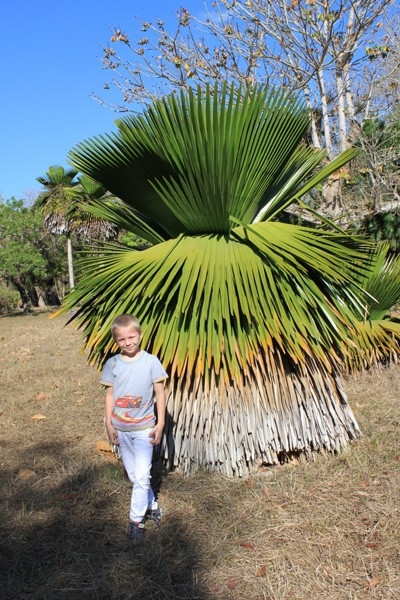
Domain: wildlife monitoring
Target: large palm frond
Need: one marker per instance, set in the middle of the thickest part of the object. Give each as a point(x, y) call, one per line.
point(191, 162)
point(250, 316)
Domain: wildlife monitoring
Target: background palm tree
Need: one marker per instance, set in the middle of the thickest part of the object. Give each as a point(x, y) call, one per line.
point(87, 225)
point(54, 205)
point(251, 316)
point(65, 206)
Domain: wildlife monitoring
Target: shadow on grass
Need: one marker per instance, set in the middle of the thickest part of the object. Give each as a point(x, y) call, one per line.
point(62, 537)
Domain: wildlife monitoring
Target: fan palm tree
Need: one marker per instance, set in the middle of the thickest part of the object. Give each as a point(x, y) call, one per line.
point(252, 317)
point(66, 208)
point(86, 225)
point(54, 204)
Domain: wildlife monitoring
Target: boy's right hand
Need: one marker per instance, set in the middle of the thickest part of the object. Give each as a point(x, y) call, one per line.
point(112, 435)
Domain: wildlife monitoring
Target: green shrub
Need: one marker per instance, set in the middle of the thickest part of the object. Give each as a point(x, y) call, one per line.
point(8, 299)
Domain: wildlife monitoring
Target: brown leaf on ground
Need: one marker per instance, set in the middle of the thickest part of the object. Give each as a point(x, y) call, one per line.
point(38, 417)
point(373, 582)
point(233, 582)
point(103, 446)
point(70, 497)
point(24, 473)
point(247, 545)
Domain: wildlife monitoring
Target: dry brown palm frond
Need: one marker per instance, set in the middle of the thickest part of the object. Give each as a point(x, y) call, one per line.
point(276, 411)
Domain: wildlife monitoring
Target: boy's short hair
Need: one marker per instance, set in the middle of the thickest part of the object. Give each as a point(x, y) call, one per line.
point(125, 321)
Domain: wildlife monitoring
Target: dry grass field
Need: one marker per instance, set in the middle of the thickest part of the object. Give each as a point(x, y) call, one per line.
point(325, 529)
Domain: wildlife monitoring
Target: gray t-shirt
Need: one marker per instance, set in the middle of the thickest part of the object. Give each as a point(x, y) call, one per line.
point(133, 378)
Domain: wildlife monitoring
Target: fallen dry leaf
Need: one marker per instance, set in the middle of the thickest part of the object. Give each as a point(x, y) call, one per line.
point(249, 483)
point(38, 417)
point(373, 582)
point(247, 545)
point(103, 446)
point(24, 473)
point(261, 572)
point(233, 582)
point(41, 396)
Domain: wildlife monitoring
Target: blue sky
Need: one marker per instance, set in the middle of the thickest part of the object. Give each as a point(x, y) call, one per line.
point(50, 66)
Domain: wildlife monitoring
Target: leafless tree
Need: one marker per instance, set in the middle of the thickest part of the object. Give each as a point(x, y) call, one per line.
point(328, 51)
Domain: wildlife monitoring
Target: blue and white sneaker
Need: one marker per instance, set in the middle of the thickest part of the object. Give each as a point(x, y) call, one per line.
point(154, 515)
point(136, 531)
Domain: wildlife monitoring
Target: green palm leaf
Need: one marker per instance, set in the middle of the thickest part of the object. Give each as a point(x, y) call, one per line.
point(180, 148)
point(382, 282)
point(128, 219)
point(377, 334)
point(262, 285)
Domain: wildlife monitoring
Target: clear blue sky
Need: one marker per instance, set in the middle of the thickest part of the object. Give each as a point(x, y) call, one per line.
point(50, 66)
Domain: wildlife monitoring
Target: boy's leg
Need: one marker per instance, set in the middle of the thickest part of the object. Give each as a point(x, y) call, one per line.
point(137, 453)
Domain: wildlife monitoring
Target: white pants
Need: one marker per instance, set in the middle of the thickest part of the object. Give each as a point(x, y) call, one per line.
point(137, 454)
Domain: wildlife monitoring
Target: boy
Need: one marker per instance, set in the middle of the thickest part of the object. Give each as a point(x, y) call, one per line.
point(133, 380)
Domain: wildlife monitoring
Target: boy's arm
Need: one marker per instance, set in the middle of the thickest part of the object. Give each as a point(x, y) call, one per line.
point(111, 431)
point(156, 432)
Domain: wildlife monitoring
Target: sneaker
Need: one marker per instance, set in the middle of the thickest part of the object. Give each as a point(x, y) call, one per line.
point(136, 531)
point(154, 515)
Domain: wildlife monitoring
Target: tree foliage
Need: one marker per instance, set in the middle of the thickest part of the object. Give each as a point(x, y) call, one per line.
point(30, 259)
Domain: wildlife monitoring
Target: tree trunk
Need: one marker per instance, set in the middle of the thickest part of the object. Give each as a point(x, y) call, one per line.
point(325, 115)
point(354, 127)
point(70, 264)
point(332, 193)
point(234, 429)
point(341, 104)
point(314, 129)
point(29, 296)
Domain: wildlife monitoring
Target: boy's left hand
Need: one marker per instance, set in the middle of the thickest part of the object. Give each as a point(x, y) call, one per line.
point(156, 434)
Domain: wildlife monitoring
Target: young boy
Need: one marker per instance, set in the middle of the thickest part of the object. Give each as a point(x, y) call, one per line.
point(135, 379)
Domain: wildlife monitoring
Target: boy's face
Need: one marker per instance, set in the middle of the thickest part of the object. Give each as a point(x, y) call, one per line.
point(128, 340)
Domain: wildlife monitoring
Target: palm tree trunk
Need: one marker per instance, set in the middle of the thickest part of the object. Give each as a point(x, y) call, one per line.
point(264, 420)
